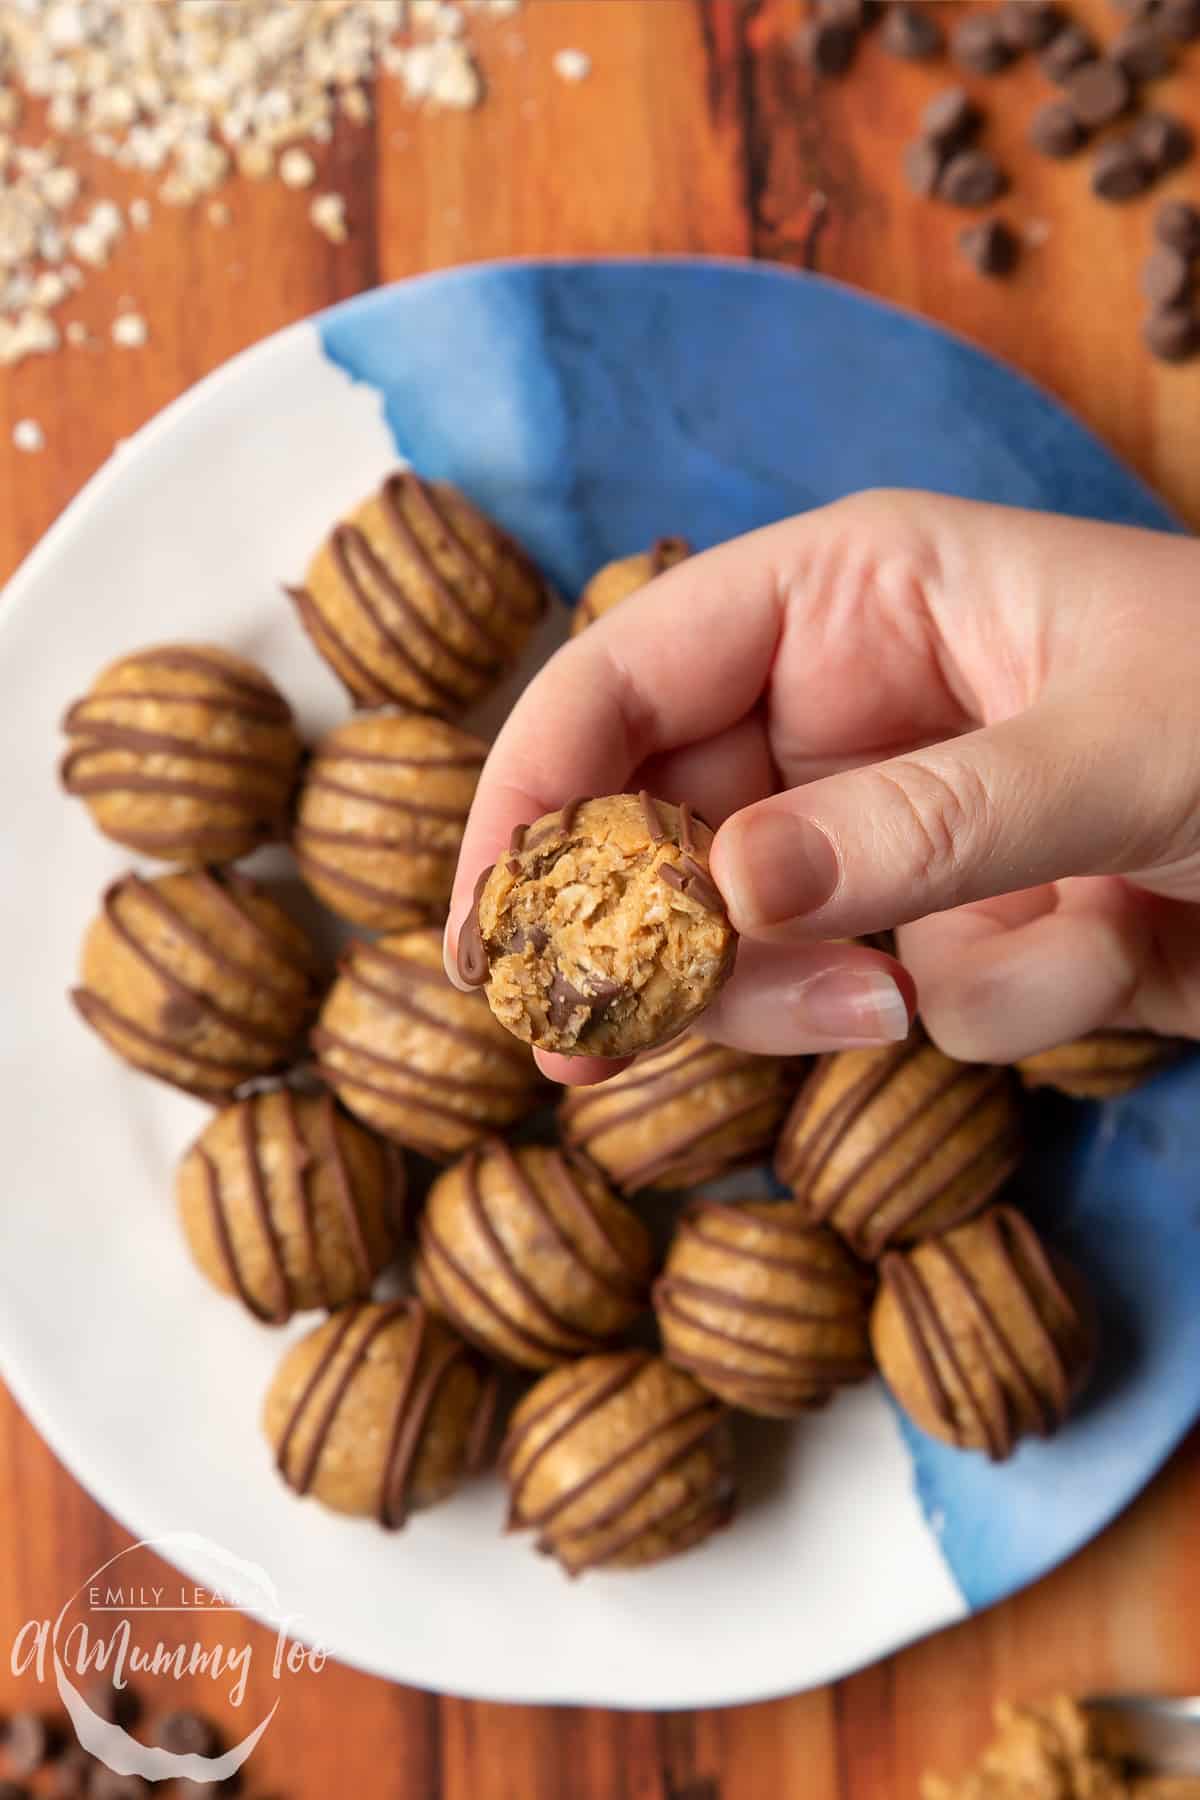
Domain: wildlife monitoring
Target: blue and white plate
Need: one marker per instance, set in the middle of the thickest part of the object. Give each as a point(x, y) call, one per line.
point(590, 408)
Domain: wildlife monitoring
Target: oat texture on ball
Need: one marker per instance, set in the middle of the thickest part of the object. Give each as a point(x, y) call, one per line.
point(616, 1462)
point(765, 1310)
point(685, 1113)
point(183, 752)
point(419, 599)
point(379, 1411)
point(983, 1336)
point(890, 1145)
point(380, 817)
point(199, 977)
point(600, 932)
point(617, 580)
point(530, 1254)
point(413, 1057)
point(288, 1204)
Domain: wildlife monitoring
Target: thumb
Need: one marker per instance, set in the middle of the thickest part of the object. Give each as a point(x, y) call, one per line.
point(1062, 789)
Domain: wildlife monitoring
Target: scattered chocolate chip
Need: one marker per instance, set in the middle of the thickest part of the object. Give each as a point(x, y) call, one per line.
point(1067, 50)
point(12, 1790)
point(854, 13)
point(1166, 276)
point(911, 34)
point(828, 46)
point(106, 1784)
point(923, 165)
point(950, 119)
point(1180, 20)
point(972, 178)
point(70, 1774)
point(1177, 224)
point(1098, 92)
point(1119, 171)
point(186, 1734)
point(565, 998)
point(1055, 131)
point(29, 1742)
point(1162, 141)
point(1172, 333)
point(979, 45)
point(117, 1705)
point(991, 245)
point(1143, 51)
point(1028, 24)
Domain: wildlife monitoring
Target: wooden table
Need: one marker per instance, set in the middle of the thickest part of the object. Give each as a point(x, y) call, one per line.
point(697, 130)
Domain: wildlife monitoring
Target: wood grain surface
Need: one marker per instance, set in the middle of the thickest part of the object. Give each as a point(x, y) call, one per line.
point(698, 130)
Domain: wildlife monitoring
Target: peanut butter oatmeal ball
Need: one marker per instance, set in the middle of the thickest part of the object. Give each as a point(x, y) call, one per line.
point(417, 598)
point(381, 814)
point(184, 752)
point(889, 1146)
point(685, 1113)
point(767, 1312)
point(617, 580)
point(1101, 1066)
point(601, 932)
point(530, 1255)
point(617, 1461)
point(287, 1203)
point(413, 1057)
point(982, 1336)
point(380, 1411)
point(200, 978)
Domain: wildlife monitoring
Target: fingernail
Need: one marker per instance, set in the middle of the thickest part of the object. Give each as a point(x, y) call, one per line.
point(852, 1006)
point(777, 867)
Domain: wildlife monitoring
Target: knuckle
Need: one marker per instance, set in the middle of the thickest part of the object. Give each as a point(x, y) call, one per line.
point(944, 816)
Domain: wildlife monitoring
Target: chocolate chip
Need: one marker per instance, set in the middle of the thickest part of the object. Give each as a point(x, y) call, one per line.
point(106, 1784)
point(1143, 51)
point(70, 1774)
point(910, 33)
point(29, 1742)
point(1067, 50)
point(923, 165)
point(950, 119)
point(12, 1790)
point(1119, 171)
point(828, 46)
point(855, 13)
point(979, 45)
point(1028, 24)
point(1180, 20)
point(1172, 333)
point(534, 936)
point(186, 1734)
point(1166, 276)
point(1055, 131)
point(119, 1706)
point(1162, 141)
point(972, 178)
point(991, 245)
point(1098, 92)
point(565, 998)
point(1177, 224)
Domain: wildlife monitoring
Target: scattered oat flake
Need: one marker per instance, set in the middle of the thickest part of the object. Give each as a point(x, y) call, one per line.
point(218, 213)
point(572, 65)
point(129, 330)
point(328, 214)
point(77, 333)
point(297, 168)
point(28, 435)
point(140, 214)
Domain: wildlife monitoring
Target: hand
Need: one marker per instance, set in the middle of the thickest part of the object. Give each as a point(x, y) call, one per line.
point(979, 724)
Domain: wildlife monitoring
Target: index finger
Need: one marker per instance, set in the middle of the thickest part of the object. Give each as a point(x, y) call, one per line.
point(675, 664)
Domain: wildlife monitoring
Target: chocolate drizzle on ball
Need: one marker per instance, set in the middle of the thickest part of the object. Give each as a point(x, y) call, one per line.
point(738, 1102)
point(413, 590)
point(194, 773)
point(986, 1382)
point(616, 581)
point(429, 1360)
point(691, 878)
point(509, 1303)
point(434, 1099)
point(472, 959)
point(766, 1311)
point(867, 1144)
point(146, 920)
point(609, 1513)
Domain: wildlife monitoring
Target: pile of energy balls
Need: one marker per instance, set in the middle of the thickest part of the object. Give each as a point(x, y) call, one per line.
point(601, 931)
